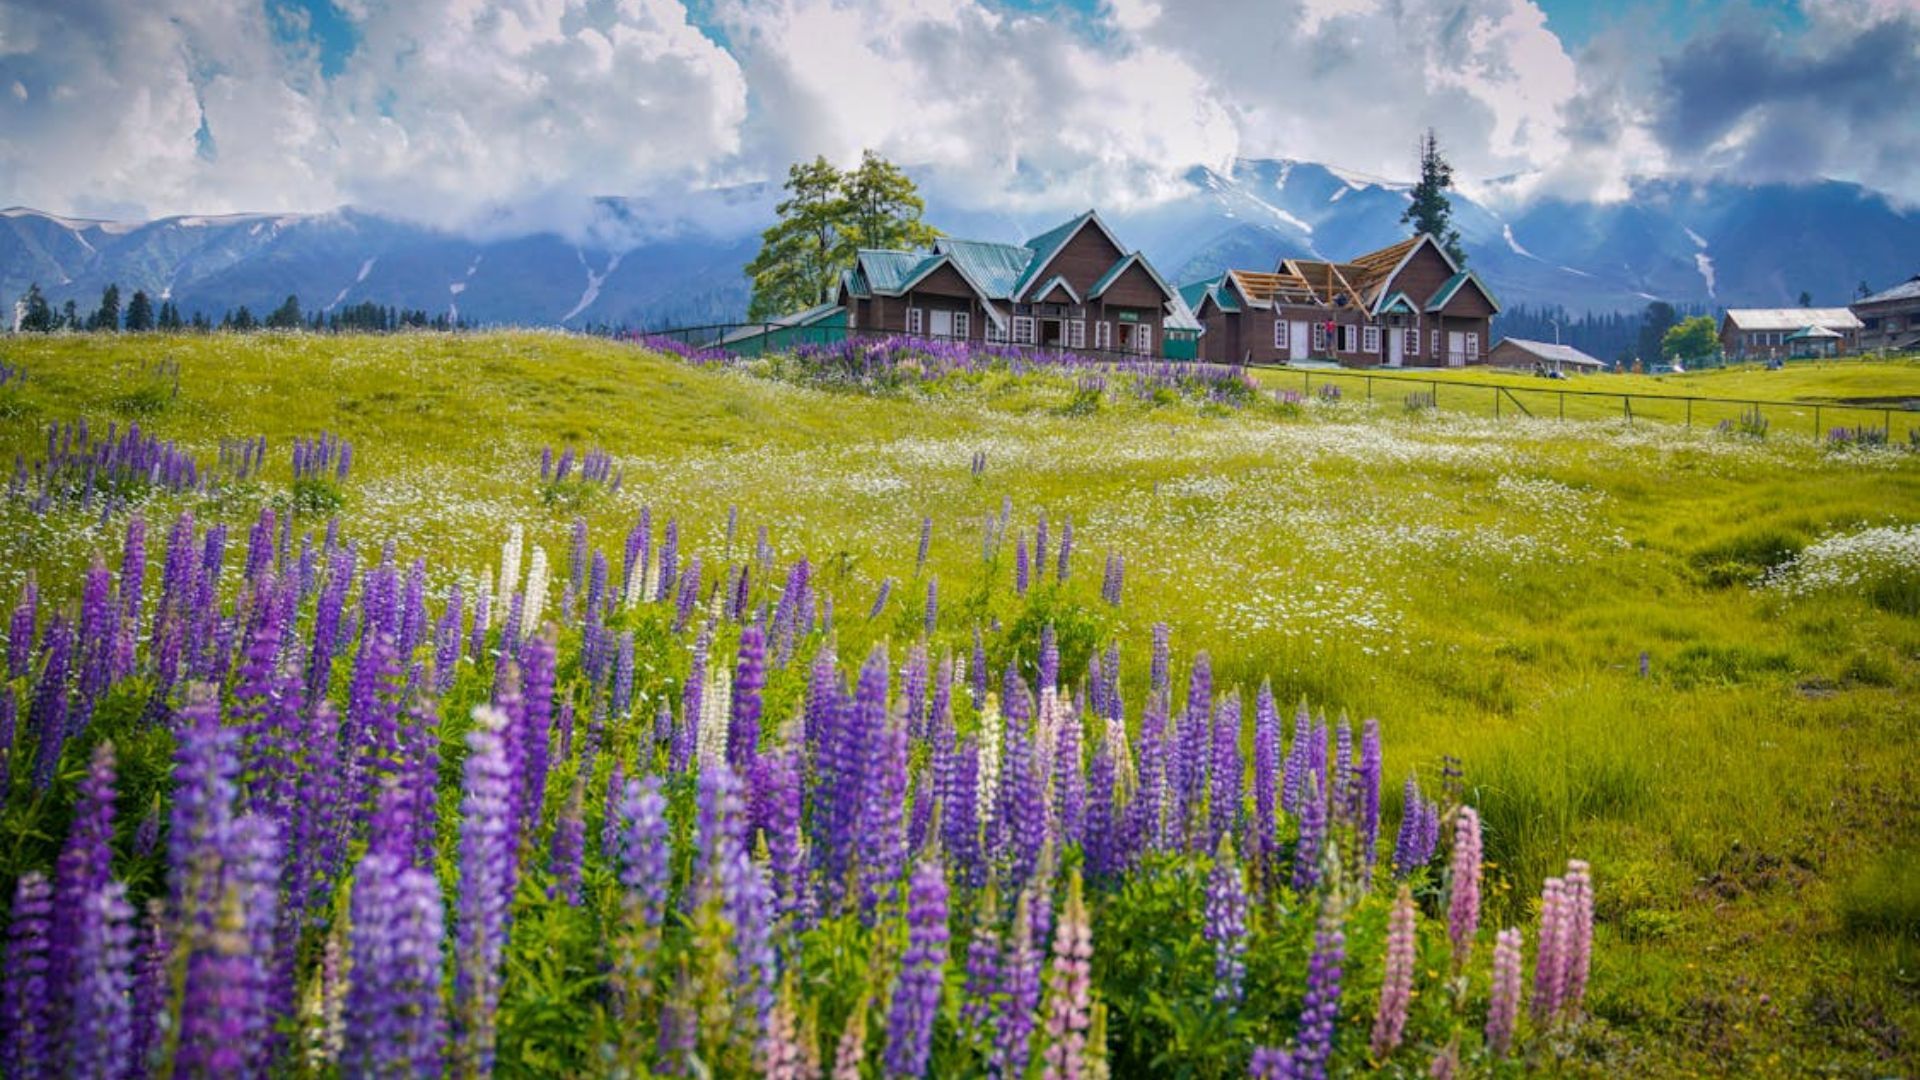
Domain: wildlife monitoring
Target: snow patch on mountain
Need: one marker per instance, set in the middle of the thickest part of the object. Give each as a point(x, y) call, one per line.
point(1704, 263)
point(1698, 240)
point(1514, 245)
point(366, 268)
point(594, 281)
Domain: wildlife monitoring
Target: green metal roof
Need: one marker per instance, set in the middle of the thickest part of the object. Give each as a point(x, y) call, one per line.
point(885, 270)
point(1452, 285)
point(1193, 292)
point(997, 267)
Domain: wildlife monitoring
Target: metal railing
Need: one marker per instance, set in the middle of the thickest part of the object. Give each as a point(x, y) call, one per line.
point(1499, 399)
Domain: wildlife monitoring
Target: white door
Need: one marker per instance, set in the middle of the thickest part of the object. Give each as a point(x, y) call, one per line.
point(1396, 340)
point(1456, 348)
point(1297, 341)
point(942, 324)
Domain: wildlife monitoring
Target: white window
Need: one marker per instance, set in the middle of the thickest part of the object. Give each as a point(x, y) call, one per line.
point(1436, 344)
point(1143, 340)
point(1023, 329)
point(1473, 346)
point(914, 317)
point(1413, 341)
point(1319, 337)
point(1349, 338)
point(996, 333)
point(1280, 333)
point(1103, 335)
point(1370, 339)
point(1076, 333)
point(962, 324)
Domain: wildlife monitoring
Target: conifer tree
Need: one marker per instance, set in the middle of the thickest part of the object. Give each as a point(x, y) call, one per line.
point(139, 312)
point(1431, 212)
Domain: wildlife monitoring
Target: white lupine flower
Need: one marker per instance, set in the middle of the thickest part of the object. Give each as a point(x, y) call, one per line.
point(637, 584)
point(716, 716)
point(1124, 778)
point(509, 569)
point(650, 581)
point(990, 736)
point(536, 591)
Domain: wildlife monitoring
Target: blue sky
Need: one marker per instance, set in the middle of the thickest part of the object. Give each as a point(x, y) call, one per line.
point(452, 111)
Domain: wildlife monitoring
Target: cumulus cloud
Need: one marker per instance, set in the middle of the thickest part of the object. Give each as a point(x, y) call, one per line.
point(1746, 101)
point(506, 116)
point(447, 111)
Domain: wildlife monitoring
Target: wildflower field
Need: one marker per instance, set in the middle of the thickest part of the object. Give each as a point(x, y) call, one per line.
point(536, 705)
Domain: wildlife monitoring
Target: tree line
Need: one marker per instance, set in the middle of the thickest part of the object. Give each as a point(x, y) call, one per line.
point(1617, 337)
point(34, 313)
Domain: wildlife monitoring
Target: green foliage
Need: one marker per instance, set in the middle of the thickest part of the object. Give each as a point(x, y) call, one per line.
point(1430, 211)
point(315, 495)
point(1746, 557)
point(827, 216)
point(1693, 339)
point(286, 316)
point(1884, 897)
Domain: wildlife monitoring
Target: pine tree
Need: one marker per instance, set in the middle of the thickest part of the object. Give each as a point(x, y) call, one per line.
point(286, 316)
point(36, 314)
point(139, 312)
point(1431, 212)
point(70, 316)
point(107, 316)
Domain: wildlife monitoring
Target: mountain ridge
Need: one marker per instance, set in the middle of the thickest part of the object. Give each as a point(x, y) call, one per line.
point(637, 262)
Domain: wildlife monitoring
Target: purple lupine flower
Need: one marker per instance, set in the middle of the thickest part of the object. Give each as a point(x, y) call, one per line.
point(688, 595)
point(1047, 669)
point(692, 694)
point(750, 675)
point(1019, 994)
point(1550, 965)
point(979, 671)
point(883, 835)
point(48, 720)
point(393, 1021)
point(1294, 774)
point(1145, 827)
point(1412, 849)
point(669, 560)
point(373, 719)
point(1321, 1010)
point(535, 732)
point(202, 810)
point(1021, 571)
point(926, 541)
point(1066, 549)
point(1463, 890)
point(225, 1020)
point(959, 794)
point(1023, 805)
point(1190, 735)
point(1503, 1004)
point(26, 997)
point(622, 701)
point(983, 975)
point(487, 869)
point(1223, 800)
point(20, 631)
point(778, 804)
point(1226, 923)
point(916, 994)
point(1396, 985)
point(933, 604)
point(1069, 781)
point(1313, 836)
point(570, 845)
point(151, 988)
point(1070, 989)
point(94, 647)
point(643, 848)
point(633, 566)
point(81, 874)
point(1366, 779)
point(1266, 780)
point(1104, 844)
point(1271, 1063)
point(913, 691)
point(1339, 790)
point(447, 641)
point(880, 599)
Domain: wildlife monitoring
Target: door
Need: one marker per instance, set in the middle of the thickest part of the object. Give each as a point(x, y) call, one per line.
point(941, 324)
point(1456, 348)
point(1396, 340)
point(1297, 341)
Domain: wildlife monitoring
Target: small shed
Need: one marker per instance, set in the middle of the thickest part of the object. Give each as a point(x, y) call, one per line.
point(1520, 354)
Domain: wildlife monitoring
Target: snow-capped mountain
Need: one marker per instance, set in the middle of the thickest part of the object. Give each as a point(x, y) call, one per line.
point(639, 263)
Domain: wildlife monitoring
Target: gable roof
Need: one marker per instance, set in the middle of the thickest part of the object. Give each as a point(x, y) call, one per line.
point(1454, 284)
point(1055, 282)
point(997, 267)
point(1264, 290)
point(1131, 259)
point(1792, 318)
point(1048, 244)
point(1547, 350)
point(1906, 290)
point(1396, 302)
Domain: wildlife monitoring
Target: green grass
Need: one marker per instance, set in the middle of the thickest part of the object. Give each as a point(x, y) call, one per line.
point(1486, 588)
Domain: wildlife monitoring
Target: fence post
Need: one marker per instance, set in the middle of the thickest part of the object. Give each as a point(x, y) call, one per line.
point(1563, 404)
point(1816, 423)
point(1689, 412)
point(1496, 404)
point(1370, 398)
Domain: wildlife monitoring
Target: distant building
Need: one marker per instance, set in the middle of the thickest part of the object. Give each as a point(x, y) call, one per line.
point(1890, 320)
point(1407, 304)
point(1519, 354)
point(1073, 287)
point(1780, 333)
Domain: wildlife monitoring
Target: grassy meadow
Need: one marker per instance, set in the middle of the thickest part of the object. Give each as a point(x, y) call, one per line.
point(1689, 657)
